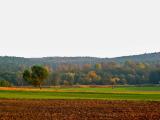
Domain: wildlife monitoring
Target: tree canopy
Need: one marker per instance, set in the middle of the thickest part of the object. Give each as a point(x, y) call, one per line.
point(36, 75)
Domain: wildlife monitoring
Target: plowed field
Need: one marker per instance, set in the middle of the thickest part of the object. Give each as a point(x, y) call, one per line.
point(78, 110)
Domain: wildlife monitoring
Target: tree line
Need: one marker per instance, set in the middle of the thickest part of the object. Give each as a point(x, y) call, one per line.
point(109, 73)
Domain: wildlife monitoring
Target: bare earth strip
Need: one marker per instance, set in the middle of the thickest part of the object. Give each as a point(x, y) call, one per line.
point(78, 110)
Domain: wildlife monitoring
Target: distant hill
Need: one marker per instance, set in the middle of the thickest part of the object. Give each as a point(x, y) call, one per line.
point(150, 57)
point(51, 60)
point(11, 67)
point(9, 64)
point(15, 62)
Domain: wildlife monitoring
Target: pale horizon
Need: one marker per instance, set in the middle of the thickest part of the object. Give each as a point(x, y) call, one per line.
point(80, 56)
point(105, 29)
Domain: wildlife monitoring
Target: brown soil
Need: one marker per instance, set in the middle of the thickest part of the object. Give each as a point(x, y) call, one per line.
point(78, 110)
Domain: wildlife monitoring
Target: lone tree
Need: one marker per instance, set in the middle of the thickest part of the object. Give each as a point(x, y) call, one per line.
point(36, 75)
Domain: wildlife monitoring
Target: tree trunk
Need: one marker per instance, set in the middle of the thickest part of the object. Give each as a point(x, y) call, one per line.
point(112, 86)
point(40, 86)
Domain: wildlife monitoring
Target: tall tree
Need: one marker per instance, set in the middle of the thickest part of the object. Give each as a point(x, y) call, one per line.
point(36, 75)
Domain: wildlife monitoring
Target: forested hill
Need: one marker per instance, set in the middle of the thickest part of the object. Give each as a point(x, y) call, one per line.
point(150, 57)
point(138, 69)
point(54, 61)
point(14, 64)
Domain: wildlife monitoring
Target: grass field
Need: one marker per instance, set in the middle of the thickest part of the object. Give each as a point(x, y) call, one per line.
point(121, 89)
point(119, 93)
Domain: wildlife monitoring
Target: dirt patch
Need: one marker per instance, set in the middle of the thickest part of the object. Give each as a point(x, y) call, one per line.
point(78, 110)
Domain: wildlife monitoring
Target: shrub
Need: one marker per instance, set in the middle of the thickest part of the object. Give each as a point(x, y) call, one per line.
point(5, 83)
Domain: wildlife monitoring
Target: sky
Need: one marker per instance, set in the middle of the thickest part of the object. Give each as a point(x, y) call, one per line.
point(98, 28)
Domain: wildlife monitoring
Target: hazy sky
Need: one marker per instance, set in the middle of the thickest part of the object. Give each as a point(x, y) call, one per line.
point(102, 28)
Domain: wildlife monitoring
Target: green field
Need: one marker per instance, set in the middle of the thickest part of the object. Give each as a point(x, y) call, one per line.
point(118, 93)
point(155, 89)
